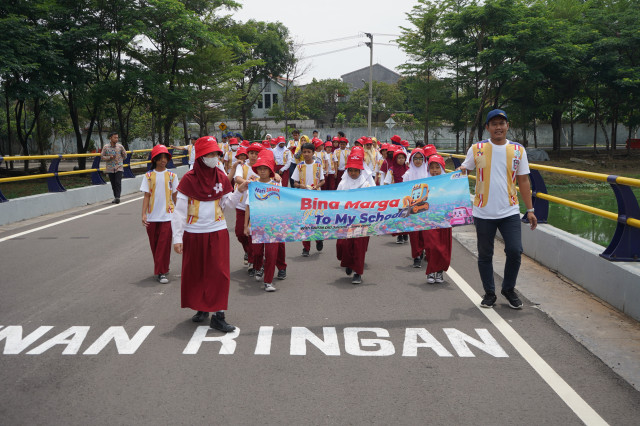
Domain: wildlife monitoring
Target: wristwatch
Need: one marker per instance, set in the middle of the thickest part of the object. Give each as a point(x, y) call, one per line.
point(530, 210)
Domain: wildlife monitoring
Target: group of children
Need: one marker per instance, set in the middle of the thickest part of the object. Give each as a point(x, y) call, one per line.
point(191, 211)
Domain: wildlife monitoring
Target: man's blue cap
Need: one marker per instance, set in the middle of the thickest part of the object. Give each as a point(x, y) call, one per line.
point(495, 113)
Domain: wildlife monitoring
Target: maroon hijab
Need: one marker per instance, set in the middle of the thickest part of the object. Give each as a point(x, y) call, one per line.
point(398, 170)
point(204, 183)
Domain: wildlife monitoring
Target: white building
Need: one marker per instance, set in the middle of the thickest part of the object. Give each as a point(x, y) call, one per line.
point(272, 93)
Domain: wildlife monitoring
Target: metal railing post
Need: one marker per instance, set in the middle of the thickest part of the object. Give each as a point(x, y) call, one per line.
point(53, 182)
point(541, 206)
point(96, 177)
point(3, 199)
point(128, 173)
point(170, 164)
point(625, 244)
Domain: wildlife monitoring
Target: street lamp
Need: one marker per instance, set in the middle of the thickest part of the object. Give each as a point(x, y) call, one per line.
point(370, 45)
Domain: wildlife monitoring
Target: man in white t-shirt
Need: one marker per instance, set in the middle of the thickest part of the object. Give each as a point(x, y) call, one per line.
point(501, 165)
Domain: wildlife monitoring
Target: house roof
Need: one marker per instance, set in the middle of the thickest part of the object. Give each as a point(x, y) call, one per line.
point(366, 68)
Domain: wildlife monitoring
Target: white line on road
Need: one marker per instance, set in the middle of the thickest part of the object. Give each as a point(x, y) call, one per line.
point(40, 228)
point(579, 406)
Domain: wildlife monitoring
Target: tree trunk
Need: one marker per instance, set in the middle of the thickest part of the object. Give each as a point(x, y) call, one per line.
point(535, 132)
point(153, 129)
point(8, 113)
point(556, 126)
point(36, 109)
point(614, 130)
point(572, 127)
point(186, 130)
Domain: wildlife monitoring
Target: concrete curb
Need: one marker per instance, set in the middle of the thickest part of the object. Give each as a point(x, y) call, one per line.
point(37, 205)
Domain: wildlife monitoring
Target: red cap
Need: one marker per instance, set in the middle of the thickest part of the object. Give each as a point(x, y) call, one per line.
point(256, 146)
point(233, 141)
point(355, 161)
point(343, 140)
point(384, 146)
point(360, 141)
point(241, 151)
point(404, 143)
point(367, 140)
point(435, 158)
point(335, 139)
point(280, 139)
point(317, 142)
point(245, 143)
point(429, 150)
point(328, 143)
point(393, 148)
point(357, 150)
point(205, 145)
point(396, 138)
point(273, 141)
point(159, 149)
point(264, 160)
point(266, 143)
point(397, 152)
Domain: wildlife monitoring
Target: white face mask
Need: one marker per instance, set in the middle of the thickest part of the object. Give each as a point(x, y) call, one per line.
point(210, 161)
point(234, 148)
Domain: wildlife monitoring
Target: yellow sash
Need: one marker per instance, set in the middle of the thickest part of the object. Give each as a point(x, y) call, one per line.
point(168, 182)
point(482, 157)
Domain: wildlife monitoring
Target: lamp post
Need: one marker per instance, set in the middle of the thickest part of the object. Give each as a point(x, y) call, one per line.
point(370, 45)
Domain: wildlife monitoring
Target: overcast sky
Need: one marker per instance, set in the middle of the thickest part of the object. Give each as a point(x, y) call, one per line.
point(321, 20)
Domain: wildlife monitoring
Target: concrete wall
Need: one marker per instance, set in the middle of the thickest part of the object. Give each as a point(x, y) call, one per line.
point(37, 205)
point(617, 283)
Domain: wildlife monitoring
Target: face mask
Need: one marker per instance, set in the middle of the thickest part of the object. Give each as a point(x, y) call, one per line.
point(234, 147)
point(210, 161)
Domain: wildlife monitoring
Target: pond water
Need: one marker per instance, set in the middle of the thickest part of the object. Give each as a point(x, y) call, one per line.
point(588, 226)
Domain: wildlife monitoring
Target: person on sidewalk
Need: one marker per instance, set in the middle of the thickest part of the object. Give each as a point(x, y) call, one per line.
point(200, 235)
point(501, 165)
point(160, 188)
point(114, 154)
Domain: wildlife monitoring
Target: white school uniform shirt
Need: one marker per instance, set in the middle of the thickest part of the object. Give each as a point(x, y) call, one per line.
point(159, 208)
point(340, 157)
point(251, 176)
point(200, 217)
point(363, 181)
point(498, 202)
point(328, 159)
point(308, 172)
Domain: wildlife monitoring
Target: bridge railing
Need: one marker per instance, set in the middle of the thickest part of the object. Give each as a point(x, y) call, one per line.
point(625, 244)
point(53, 176)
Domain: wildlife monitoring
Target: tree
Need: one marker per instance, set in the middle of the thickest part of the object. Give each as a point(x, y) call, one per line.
point(323, 99)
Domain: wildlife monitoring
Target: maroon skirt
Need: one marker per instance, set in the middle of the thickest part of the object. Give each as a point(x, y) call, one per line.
point(205, 271)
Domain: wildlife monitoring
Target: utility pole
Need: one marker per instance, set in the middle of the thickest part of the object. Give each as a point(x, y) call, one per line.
point(370, 45)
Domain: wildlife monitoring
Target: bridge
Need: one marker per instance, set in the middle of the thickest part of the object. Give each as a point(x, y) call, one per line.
point(88, 336)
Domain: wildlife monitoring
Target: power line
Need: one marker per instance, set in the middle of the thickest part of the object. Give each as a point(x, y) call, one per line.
point(332, 40)
point(386, 35)
point(386, 44)
point(333, 51)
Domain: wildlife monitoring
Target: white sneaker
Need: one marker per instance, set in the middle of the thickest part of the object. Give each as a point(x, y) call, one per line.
point(431, 278)
point(269, 287)
point(162, 278)
point(440, 277)
point(249, 265)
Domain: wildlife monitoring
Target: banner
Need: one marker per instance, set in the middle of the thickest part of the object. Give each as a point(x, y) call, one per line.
point(280, 214)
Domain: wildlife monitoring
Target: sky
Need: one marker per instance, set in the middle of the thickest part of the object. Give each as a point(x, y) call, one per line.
point(322, 20)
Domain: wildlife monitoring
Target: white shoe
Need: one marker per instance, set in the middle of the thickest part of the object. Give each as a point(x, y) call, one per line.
point(269, 287)
point(162, 278)
point(249, 265)
point(431, 278)
point(440, 277)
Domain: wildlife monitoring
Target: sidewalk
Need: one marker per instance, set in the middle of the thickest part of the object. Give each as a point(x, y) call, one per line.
point(607, 333)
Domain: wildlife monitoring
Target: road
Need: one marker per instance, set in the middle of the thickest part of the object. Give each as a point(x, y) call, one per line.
point(89, 337)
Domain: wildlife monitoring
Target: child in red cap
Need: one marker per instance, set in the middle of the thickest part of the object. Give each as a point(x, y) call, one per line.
point(437, 242)
point(328, 167)
point(273, 253)
point(160, 188)
point(397, 168)
point(200, 234)
point(351, 251)
point(308, 174)
point(418, 169)
point(340, 158)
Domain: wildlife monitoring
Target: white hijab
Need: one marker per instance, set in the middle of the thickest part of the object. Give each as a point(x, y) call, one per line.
point(415, 173)
point(363, 181)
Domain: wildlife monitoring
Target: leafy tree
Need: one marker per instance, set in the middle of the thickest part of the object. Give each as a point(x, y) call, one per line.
point(323, 99)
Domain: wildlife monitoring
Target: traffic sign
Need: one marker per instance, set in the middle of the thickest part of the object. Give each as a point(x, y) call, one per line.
point(390, 123)
point(222, 126)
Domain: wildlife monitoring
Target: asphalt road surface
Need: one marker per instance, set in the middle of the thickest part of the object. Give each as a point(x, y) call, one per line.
point(88, 336)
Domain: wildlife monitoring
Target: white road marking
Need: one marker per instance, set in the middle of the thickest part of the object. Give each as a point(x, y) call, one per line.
point(40, 228)
point(570, 397)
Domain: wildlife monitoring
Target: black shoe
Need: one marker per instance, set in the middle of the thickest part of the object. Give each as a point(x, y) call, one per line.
point(251, 272)
point(305, 253)
point(114, 201)
point(512, 298)
point(319, 245)
point(259, 274)
point(399, 239)
point(417, 262)
point(282, 274)
point(200, 316)
point(117, 200)
point(357, 279)
point(421, 255)
point(218, 322)
point(246, 259)
point(405, 237)
point(349, 271)
point(488, 300)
